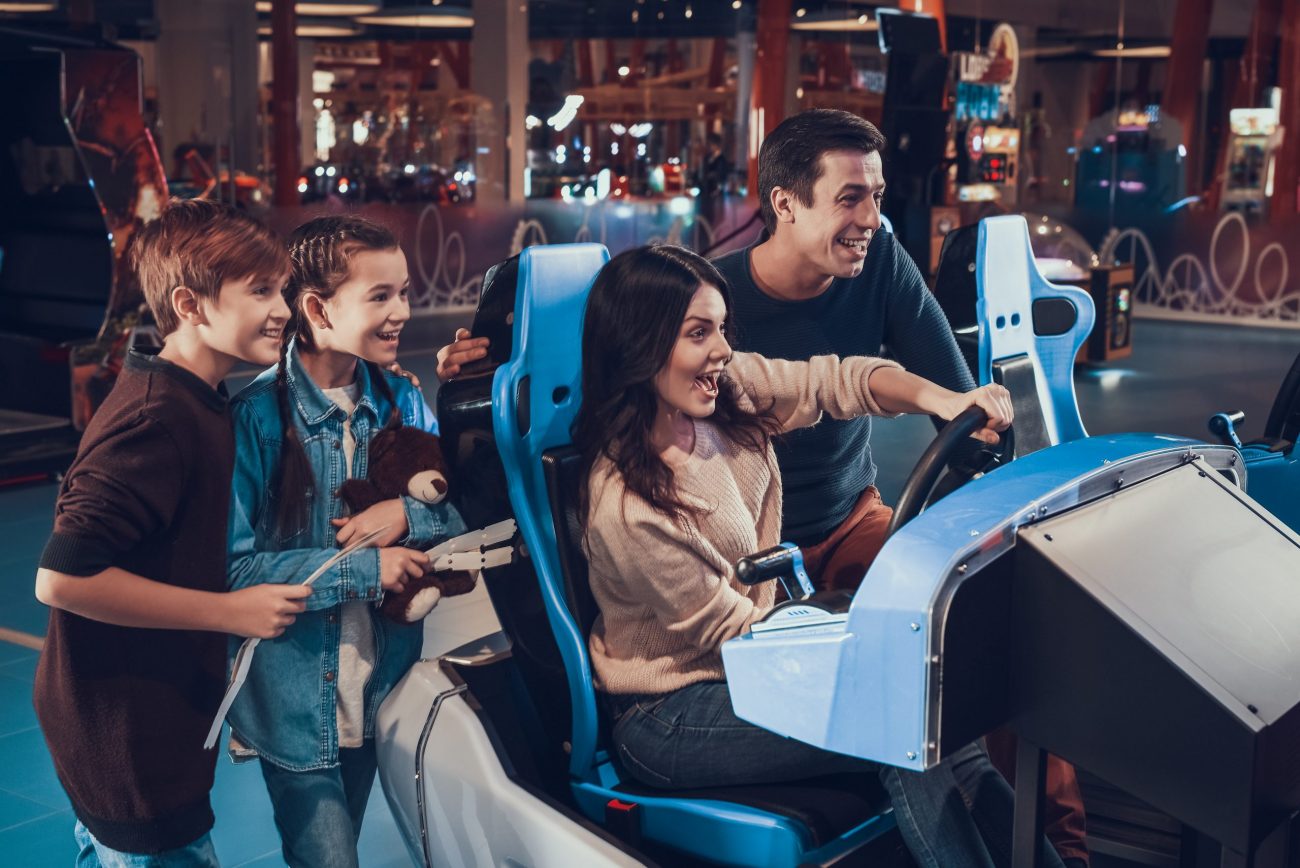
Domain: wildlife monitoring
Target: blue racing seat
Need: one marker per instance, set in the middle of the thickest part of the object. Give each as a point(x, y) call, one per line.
point(535, 398)
point(1029, 334)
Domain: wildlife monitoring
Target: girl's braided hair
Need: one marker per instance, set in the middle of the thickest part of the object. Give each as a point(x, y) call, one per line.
point(321, 251)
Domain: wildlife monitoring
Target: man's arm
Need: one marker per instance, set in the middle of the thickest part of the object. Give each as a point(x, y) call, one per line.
point(916, 331)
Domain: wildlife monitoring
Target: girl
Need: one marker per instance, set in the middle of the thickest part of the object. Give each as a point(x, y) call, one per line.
point(675, 433)
point(302, 428)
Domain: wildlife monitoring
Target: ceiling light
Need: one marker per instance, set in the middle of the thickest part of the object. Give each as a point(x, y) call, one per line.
point(308, 28)
point(420, 16)
point(735, 4)
point(1140, 51)
point(27, 6)
point(831, 21)
point(324, 7)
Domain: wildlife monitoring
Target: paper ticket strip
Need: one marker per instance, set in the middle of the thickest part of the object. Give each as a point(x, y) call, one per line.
point(469, 551)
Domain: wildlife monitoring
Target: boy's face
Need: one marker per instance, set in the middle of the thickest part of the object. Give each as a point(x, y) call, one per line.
point(833, 232)
point(368, 310)
point(247, 320)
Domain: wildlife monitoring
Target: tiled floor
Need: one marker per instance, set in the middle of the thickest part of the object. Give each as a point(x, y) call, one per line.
point(1177, 377)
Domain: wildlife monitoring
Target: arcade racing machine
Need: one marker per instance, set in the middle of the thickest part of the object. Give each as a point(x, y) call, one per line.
point(1119, 601)
point(77, 170)
point(1089, 593)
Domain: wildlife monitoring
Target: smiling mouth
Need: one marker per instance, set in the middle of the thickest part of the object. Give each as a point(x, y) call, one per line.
point(389, 337)
point(857, 245)
point(708, 383)
point(273, 334)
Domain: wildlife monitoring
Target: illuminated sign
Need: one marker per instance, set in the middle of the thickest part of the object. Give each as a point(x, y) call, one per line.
point(1253, 121)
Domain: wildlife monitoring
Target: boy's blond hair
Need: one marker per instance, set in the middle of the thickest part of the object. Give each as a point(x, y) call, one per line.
point(201, 245)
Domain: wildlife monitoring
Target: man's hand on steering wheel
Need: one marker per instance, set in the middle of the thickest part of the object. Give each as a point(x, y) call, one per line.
point(994, 400)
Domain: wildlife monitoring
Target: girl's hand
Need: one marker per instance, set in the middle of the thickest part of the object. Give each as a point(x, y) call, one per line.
point(402, 372)
point(386, 512)
point(994, 400)
point(397, 566)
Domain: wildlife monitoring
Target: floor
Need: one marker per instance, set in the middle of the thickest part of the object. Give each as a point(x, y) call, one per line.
point(1178, 376)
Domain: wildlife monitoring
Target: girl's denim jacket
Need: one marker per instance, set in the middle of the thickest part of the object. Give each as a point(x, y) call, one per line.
point(286, 710)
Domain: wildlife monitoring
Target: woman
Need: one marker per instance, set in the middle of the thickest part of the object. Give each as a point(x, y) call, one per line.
point(681, 481)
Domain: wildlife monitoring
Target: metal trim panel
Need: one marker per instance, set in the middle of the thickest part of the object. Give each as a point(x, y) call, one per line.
point(871, 689)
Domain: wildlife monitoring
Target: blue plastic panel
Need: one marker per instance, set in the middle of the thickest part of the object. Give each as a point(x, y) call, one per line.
point(1274, 480)
point(534, 399)
point(1009, 283)
point(864, 687)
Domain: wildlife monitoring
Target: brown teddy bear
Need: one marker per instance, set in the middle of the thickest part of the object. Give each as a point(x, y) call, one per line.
point(407, 461)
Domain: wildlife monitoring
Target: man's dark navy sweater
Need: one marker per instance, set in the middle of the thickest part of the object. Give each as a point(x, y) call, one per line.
point(885, 309)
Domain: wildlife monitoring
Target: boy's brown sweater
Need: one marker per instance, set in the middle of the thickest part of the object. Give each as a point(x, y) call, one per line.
point(125, 710)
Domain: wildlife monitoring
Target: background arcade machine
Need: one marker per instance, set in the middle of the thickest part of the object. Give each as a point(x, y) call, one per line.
point(1248, 181)
point(78, 170)
point(915, 124)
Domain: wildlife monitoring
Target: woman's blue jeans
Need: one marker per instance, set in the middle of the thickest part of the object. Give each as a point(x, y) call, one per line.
point(954, 815)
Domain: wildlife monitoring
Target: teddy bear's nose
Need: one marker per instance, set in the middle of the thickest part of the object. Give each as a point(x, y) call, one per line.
point(429, 486)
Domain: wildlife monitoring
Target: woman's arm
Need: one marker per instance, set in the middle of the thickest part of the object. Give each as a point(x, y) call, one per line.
point(900, 392)
point(798, 393)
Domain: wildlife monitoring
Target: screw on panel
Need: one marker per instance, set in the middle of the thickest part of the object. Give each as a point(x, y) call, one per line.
point(974, 533)
point(915, 627)
point(1042, 510)
point(911, 754)
point(1047, 536)
point(961, 569)
point(1119, 483)
point(1252, 709)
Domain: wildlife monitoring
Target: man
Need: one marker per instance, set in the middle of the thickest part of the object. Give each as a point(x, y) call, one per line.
point(825, 280)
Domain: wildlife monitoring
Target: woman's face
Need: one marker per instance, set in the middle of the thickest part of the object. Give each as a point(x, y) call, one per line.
point(689, 381)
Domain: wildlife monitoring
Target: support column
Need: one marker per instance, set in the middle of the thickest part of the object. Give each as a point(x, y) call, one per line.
point(768, 100)
point(285, 116)
point(206, 74)
point(1185, 72)
point(499, 74)
point(745, 52)
point(1286, 175)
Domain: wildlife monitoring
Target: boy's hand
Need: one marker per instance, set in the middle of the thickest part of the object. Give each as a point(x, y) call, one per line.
point(263, 611)
point(386, 512)
point(995, 401)
point(465, 349)
point(397, 566)
point(395, 368)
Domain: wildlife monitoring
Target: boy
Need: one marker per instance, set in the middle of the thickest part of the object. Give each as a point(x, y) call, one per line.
point(134, 665)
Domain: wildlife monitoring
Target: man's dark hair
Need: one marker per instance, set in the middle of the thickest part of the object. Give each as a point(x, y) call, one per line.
point(791, 156)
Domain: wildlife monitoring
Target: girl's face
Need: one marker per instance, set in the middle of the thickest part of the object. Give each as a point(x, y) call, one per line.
point(688, 382)
point(366, 314)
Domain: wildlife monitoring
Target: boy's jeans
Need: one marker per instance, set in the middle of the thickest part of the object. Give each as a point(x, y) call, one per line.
point(196, 854)
point(318, 813)
point(956, 815)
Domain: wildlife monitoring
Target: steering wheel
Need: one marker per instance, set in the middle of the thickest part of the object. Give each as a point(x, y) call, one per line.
point(921, 482)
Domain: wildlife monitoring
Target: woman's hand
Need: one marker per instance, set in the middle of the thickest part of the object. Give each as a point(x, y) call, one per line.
point(994, 400)
point(397, 566)
point(386, 512)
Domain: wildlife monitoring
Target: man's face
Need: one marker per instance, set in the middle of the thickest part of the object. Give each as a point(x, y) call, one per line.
point(833, 232)
point(247, 320)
